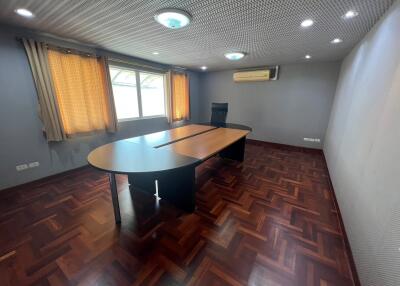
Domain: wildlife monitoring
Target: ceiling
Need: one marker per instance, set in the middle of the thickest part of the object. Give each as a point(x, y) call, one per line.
point(268, 31)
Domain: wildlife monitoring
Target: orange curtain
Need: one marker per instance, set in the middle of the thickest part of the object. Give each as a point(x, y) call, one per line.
point(83, 92)
point(180, 103)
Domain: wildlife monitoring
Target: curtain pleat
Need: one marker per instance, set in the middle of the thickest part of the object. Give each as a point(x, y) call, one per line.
point(48, 108)
point(168, 92)
point(111, 113)
point(180, 98)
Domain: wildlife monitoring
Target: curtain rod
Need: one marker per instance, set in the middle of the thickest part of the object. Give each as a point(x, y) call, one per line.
point(64, 49)
point(179, 69)
point(137, 64)
point(110, 58)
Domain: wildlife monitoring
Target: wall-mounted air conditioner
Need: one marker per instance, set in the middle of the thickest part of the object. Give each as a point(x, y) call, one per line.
point(256, 74)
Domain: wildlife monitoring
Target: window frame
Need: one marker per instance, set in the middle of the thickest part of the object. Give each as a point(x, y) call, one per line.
point(137, 71)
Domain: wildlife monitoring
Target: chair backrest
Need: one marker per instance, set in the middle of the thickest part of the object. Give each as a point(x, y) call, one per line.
point(219, 112)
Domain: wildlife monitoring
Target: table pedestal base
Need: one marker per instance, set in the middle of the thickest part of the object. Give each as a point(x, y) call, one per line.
point(178, 187)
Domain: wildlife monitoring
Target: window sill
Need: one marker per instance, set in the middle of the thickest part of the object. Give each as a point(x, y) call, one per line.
point(141, 118)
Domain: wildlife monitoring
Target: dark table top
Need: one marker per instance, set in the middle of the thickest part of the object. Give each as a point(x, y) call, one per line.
point(124, 157)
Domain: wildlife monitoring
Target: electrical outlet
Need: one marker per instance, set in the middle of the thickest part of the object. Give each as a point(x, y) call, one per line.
point(317, 140)
point(33, 164)
point(21, 167)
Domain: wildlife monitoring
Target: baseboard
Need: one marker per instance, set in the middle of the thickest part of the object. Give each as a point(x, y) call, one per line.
point(46, 179)
point(356, 278)
point(280, 145)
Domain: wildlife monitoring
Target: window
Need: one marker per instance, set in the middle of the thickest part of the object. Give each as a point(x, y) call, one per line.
point(137, 94)
point(152, 92)
point(125, 93)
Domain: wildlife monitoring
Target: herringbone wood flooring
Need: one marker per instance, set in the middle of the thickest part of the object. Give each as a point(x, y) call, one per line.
point(268, 221)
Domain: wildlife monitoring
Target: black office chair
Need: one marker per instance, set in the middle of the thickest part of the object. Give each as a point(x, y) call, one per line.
point(219, 112)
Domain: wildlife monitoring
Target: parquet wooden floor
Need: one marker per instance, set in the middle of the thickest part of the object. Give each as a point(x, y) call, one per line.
point(270, 220)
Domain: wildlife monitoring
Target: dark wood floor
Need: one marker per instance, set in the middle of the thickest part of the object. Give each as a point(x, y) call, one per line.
point(268, 221)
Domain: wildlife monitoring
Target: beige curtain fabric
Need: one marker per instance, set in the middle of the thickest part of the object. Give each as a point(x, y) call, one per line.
point(48, 108)
point(168, 92)
point(112, 113)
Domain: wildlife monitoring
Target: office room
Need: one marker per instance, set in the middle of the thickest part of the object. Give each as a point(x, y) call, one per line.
point(200, 142)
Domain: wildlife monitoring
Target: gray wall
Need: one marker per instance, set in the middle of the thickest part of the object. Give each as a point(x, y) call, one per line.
point(21, 140)
point(283, 111)
point(362, 148)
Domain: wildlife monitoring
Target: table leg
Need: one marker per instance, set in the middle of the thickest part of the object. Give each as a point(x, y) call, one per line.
point(114, 195)
point(175, 186)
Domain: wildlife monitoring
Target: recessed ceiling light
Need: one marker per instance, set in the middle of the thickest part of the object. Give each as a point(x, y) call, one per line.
point(350, 14)
point(156, 53)
point(336, 41)
point(307, 23)
point(235, 56)
point(307, 57)
point(24, 12)
point(203, 68)
point(173, 18)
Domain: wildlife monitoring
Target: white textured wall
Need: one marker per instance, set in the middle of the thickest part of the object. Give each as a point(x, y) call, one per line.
point(362, 147)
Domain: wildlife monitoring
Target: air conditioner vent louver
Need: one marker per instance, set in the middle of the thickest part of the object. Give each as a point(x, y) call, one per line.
point(260, 74)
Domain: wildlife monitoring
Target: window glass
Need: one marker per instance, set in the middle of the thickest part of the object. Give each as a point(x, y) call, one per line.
point(152, 94)
point(125, 92)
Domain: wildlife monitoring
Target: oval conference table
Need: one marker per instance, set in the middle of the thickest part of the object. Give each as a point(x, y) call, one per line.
point(167, 160)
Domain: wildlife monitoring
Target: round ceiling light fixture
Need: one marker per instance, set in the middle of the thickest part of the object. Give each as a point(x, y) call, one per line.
point(24, 12)
point(235, 56)
point(203, 68)
point(307, 23)
point(350, 14)
point(307, 57)
point(336, 41)
point(173, 18)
